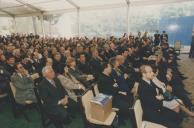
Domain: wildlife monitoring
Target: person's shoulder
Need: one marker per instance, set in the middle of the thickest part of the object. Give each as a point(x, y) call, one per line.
point(56, 79)
point(42, 82)
point(60, 76)
point(14, 75)
point(142, 83)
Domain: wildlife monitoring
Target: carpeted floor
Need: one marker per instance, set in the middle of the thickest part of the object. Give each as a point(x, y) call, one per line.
point(187, 67)
point(8, 121)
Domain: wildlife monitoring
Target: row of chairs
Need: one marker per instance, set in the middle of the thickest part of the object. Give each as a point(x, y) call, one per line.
point(136, 111)
point(46, 120)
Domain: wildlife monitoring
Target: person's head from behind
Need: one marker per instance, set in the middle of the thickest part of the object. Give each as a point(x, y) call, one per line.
point(82, 58)
point(147, 72)
point(107, 68)
point(48, 72)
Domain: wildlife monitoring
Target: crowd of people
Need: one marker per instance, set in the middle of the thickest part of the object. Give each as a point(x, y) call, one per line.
point(122, 67)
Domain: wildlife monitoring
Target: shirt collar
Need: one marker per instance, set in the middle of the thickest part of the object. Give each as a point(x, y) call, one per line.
point(146, 80)
point(19, 74)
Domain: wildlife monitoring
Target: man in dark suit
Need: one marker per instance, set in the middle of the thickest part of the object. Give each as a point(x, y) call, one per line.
point(156, 38)
point(108, 86)
point(83, 66)
point(164, 36)
point(58, 64)
point(152, 102)
point(95, 63)
point(53, 95)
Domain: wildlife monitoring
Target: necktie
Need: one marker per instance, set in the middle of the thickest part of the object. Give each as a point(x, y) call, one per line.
point(53, 83)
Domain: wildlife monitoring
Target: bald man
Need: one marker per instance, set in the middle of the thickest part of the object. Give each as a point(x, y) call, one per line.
point(53, 95)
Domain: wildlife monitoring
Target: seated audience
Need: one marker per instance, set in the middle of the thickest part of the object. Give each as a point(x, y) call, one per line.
point(114, 63)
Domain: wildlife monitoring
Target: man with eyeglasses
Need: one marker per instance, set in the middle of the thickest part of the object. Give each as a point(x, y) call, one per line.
point(24, 85)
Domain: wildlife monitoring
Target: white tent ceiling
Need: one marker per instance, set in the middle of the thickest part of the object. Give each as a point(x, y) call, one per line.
point(16, 8)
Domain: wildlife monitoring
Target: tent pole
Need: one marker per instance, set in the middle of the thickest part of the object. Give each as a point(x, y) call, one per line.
point(78, 22)
point(128, 9)
point(42, 25)
point(14, 25)
point(34, 24)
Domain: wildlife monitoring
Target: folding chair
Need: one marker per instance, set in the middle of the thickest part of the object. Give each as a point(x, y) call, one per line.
point(19, 109)
point(137, 120)
point(89, 121)
point(177, 46)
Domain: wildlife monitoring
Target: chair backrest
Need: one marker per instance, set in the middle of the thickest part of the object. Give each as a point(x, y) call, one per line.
point(96, 90)
point(40, 102)
point(177, 45)
point(138, 113)
point(85, 99)
point(13, 89)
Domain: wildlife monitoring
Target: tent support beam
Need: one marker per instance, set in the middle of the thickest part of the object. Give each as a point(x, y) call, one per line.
point(14, 25)
point(30, 6)
point(6, 12)
point(73, 4)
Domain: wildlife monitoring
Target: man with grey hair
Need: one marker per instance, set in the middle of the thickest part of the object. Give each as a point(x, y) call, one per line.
point(53, 95)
